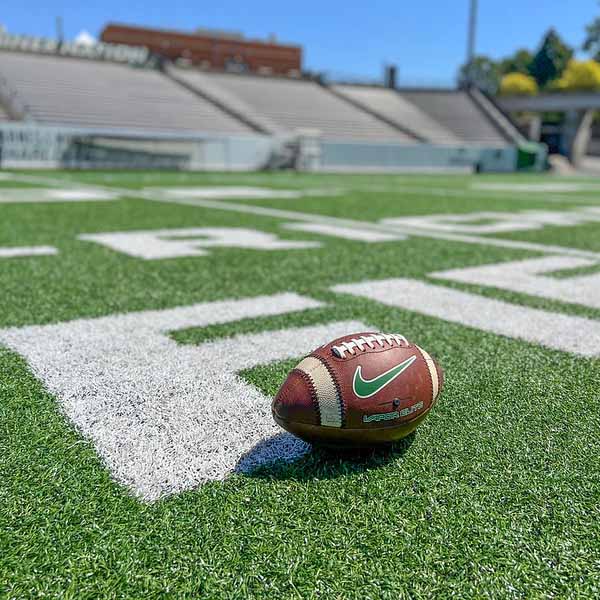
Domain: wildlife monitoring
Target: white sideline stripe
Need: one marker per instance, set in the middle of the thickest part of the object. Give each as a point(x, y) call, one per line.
point(19, 251)
point(400, 186)
point(49, 195)
point(435, 382)
point(314, 218)
point(553, 330)
point(330, 405)
point(240, 193)
point(223, 191)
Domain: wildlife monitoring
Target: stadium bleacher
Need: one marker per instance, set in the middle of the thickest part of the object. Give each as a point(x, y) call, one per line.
point(203, 85)
point(293, 104)
point(391, 105)
point(92, 110)
point(91, 93)
point(82, 92)
point(456, 111)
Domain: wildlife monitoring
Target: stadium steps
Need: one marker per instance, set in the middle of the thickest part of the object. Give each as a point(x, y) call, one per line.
point(289, 105)
point(388, 105)
point(82, 92)
point(496, 115)
point(457, 111)
point(204, 87)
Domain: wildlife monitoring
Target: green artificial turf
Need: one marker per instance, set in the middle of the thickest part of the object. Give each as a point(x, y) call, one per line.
point(496, 495)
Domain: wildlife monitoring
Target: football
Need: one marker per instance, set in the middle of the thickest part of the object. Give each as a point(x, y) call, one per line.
point(361, 390)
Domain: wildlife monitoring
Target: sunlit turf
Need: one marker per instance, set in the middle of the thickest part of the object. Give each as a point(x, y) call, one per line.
point(496, 495)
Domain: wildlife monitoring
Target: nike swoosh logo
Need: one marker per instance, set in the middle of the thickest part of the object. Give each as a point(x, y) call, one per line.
point(365, 388)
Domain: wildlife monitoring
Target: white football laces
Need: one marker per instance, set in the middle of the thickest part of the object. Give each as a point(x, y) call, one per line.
point(369, 341)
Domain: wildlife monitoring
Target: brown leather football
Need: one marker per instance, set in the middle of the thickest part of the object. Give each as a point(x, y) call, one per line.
point(361, 390)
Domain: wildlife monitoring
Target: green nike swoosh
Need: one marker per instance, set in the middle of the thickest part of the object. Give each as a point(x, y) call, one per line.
point(365, 388)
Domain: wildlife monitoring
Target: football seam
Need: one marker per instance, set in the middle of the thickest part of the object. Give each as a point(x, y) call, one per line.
point(313, 392)
point(338, 389)
point(433, 400)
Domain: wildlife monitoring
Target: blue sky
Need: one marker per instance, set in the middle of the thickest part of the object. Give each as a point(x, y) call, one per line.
point(426, 38)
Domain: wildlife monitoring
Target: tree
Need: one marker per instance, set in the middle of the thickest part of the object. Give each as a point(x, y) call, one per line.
point(580, 75)
point(592, 39)
point(519, 62)
point(518, 84)
point(551, 59)
point(481, 72)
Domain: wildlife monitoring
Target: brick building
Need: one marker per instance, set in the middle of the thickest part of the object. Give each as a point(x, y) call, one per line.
point(210, 49)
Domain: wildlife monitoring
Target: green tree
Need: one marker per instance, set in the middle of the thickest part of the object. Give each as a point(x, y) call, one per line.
point(482, 72)
point(551, 59)
point(592, 39)
point(519, 62)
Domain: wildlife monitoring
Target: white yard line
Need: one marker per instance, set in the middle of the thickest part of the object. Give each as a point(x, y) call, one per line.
point(376, 227)
point(24, 251)
point(292, 215)
point(42, 180)
point(442, 192)
point(37, 195)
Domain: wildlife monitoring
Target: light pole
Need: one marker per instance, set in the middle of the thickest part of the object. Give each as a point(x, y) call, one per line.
point(472, 32)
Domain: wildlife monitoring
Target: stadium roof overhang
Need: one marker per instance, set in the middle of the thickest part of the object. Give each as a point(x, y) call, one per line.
point(551, 102)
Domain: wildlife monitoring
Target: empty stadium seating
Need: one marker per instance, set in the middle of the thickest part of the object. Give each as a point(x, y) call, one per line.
point(90, 93)
point(81, 92)
point(394, 107)
point(457, 112)
point(205, 86)
point(298, 104)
